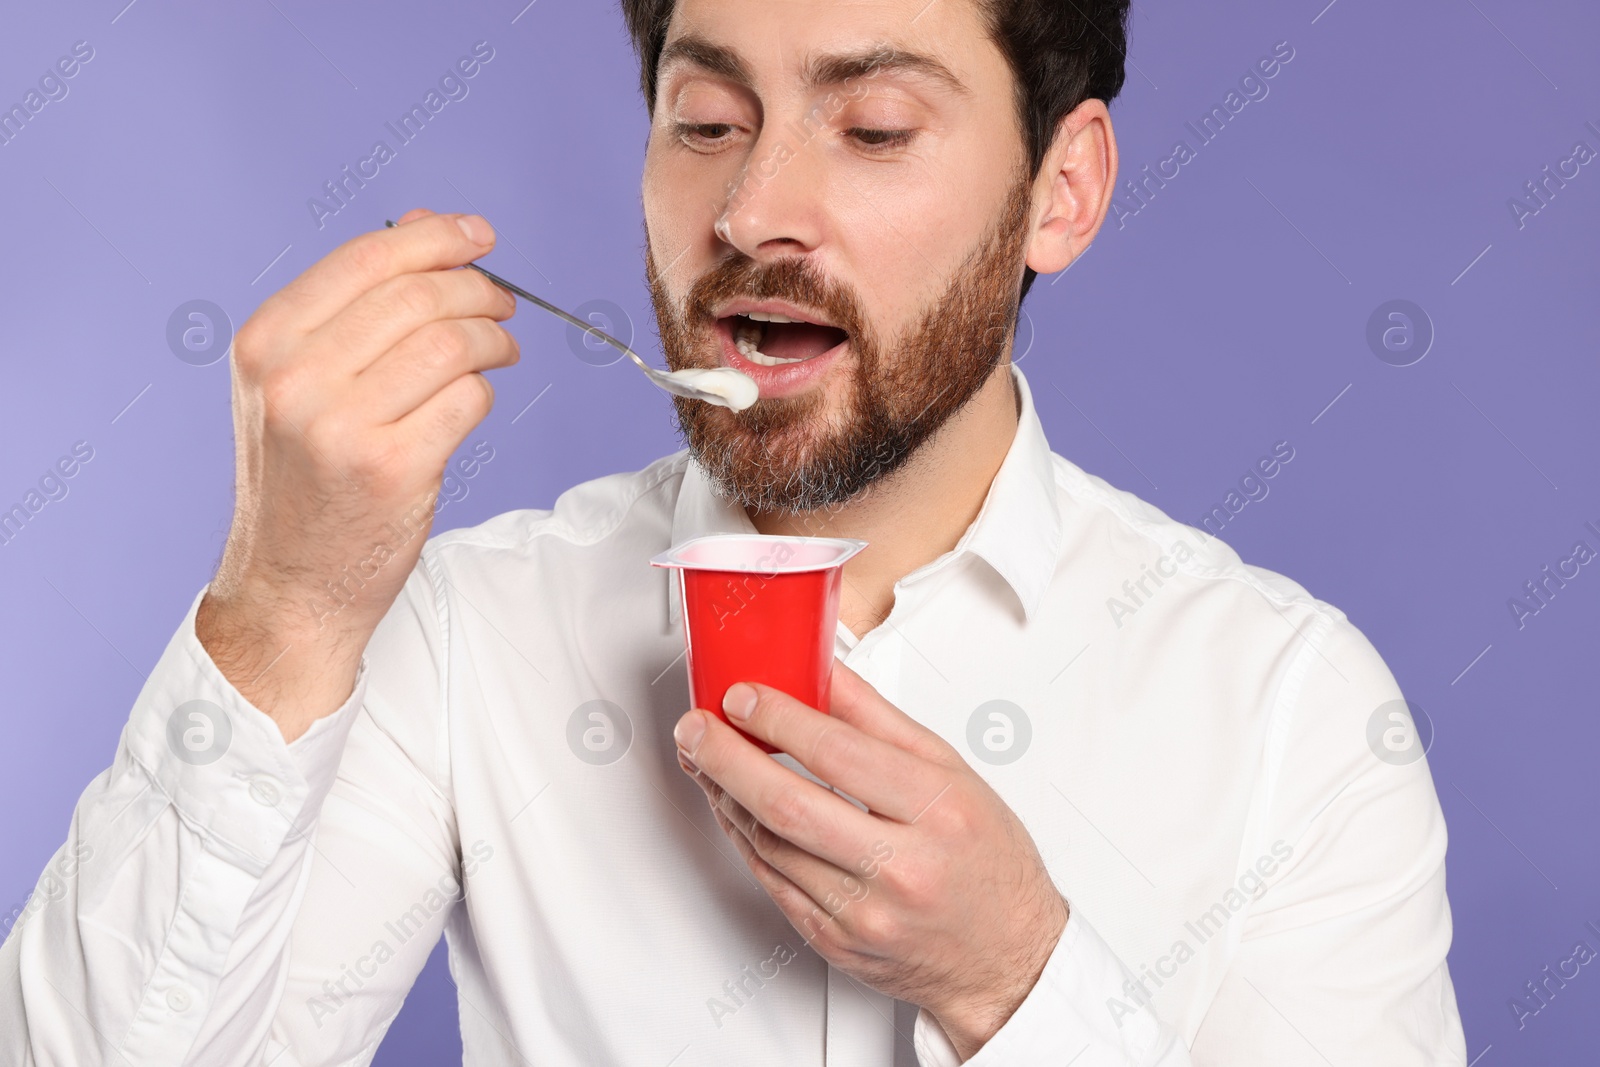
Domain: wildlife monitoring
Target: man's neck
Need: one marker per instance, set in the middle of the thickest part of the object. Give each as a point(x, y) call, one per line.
point(919, 512)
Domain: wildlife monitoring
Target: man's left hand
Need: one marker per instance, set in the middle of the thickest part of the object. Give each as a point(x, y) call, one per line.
point(936, 895)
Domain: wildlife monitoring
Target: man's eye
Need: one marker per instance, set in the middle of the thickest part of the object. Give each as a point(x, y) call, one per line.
point(702, 133)
point(711, 134)
point(880, 139)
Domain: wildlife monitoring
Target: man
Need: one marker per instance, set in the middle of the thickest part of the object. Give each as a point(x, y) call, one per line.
point(1031, 831)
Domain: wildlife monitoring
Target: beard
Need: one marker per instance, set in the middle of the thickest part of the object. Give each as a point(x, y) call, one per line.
point(791, 454)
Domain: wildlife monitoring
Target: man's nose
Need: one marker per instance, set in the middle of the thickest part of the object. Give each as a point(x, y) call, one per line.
point(777, 205)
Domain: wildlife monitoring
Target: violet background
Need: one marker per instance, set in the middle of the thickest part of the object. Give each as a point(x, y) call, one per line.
point(1223, 317)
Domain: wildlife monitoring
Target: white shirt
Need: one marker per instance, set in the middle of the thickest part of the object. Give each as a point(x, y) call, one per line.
point(1197, 774)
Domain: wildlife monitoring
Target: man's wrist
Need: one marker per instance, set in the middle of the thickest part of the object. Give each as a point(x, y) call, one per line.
point(293, 674)
point(972, 1021)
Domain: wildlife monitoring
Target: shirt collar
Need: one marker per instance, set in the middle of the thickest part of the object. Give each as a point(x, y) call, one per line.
point(1017, 531)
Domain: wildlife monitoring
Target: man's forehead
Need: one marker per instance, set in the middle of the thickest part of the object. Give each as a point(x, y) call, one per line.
point(819, 69)
point(827, 42)
point(904, 16)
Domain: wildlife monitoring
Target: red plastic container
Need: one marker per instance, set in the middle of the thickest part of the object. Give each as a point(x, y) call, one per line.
point(759, 608)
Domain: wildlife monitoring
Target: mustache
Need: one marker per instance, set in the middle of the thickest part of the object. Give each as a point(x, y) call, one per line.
point(793, 278)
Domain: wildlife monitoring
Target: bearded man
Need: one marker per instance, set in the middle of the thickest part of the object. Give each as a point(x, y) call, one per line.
point(1028, 831)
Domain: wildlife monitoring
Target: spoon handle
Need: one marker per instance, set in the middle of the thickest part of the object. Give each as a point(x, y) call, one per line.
point(589, 328)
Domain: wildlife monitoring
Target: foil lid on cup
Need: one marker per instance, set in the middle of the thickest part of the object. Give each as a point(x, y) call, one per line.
point(759, 553)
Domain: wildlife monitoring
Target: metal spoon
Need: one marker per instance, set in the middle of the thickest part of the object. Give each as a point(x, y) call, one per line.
point(717, 385)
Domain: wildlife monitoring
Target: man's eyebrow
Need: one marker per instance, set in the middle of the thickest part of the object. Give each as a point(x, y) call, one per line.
point(700, 52)
point(833, 69)
point(822, 70)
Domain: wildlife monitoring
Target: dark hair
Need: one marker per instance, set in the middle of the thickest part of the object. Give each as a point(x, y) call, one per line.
point(1061, 53)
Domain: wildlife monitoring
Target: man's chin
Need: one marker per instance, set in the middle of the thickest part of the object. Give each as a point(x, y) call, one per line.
point(781, 430)
point(779, 456)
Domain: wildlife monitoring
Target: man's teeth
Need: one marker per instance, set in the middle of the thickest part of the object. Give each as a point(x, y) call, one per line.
point(748, 350)
point(746, 337)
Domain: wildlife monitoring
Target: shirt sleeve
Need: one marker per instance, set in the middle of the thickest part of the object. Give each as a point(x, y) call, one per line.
point(1342, 957)
point(161, 931)
point(1063, 1019)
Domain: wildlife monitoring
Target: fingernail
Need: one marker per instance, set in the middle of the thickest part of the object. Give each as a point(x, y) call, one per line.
point(477, 229)
point(739, 701)
point(687, 763)
point(690, 729)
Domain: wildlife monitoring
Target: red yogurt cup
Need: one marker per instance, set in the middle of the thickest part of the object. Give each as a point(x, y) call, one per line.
point(759, 608)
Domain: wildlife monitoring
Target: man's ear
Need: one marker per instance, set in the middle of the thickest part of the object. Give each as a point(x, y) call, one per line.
point(1077, 182)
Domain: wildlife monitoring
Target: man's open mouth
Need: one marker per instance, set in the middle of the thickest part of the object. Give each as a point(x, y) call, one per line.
point(770, 340)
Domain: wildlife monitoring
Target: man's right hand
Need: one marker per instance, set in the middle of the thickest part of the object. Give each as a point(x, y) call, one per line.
point(352, 387)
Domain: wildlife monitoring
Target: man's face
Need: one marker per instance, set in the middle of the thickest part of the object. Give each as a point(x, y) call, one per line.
point(773, 184)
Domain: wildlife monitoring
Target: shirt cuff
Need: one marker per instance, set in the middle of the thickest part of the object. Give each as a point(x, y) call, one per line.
point(1067, 1017)
point(223, 763)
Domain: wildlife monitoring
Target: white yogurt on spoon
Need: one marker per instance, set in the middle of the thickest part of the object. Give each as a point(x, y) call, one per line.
point(726, 386)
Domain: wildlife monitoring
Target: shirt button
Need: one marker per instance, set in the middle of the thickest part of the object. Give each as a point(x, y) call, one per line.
point(178, 998)
point(264, 791)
